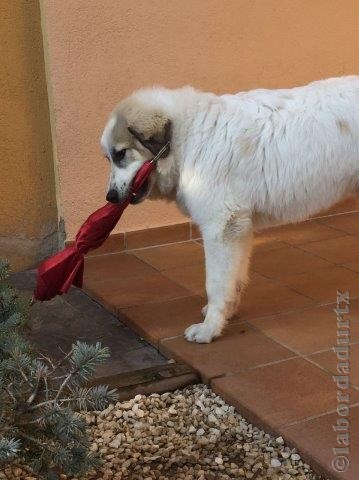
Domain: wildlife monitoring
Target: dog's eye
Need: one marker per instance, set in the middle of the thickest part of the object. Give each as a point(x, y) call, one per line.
point(117, 156)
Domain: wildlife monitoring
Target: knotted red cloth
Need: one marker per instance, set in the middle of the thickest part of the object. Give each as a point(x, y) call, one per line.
point(56, 274)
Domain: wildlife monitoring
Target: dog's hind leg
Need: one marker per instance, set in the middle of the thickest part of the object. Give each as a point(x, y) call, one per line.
point(227, 252)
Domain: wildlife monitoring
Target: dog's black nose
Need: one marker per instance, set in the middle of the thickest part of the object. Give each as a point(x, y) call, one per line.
point(112, 196)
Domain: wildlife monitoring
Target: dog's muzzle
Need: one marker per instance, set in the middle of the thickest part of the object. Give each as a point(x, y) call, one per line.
point(113, 196)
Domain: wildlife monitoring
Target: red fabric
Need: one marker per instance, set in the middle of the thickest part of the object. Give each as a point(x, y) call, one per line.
point(56, 274)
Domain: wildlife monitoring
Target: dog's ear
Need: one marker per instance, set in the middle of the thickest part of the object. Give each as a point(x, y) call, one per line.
point(155, 142)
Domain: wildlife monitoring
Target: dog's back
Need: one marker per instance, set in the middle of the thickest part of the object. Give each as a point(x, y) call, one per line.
point(302, 142)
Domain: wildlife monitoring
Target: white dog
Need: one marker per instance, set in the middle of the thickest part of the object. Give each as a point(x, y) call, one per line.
point(236, 163)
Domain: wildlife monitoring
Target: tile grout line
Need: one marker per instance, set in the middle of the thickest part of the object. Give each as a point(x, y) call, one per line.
point(313, 417)
point(131, 250)
point(346, 265)
point(281, 282)
point(308, 221)
point(322, 258)
point(160, 301)
point(210, 379)
point(326, 370)
point(118, 309)
point(298, 354)
point(338, 214)
point(155, 270)
point(300, 248)
point(270, 315)
point(325, 350)
point(321, 302)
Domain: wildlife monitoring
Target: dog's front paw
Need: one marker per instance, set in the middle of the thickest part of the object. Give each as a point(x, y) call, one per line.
point(200, 333)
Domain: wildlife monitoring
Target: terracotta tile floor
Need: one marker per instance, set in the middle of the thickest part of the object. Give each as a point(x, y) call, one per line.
point(275, 360)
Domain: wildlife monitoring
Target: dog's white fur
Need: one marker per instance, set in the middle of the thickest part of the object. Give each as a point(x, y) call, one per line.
point(241, 162)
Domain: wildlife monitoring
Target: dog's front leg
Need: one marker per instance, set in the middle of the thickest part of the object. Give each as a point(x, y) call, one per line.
point(227, 254)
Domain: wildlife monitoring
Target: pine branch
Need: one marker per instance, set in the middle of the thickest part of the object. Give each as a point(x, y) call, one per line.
point(9, 448)
point(38, 417)
point(11, 395)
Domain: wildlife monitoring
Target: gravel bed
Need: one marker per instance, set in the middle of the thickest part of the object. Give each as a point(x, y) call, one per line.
point(187, 434)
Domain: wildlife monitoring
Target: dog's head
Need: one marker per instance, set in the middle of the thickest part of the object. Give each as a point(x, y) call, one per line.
point(135, 132)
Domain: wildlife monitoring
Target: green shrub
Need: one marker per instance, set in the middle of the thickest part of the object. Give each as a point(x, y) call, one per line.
point(40, 398)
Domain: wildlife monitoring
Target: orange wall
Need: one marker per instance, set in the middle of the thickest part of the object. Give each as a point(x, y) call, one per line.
point(28, 212)
point(99, 51)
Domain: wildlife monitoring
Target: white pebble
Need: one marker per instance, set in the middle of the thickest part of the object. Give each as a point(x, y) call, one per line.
point(275, 463)
point(212, 419)
point(189, 434)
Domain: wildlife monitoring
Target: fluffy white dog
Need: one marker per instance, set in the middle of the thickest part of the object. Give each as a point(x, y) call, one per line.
point(236, 163)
